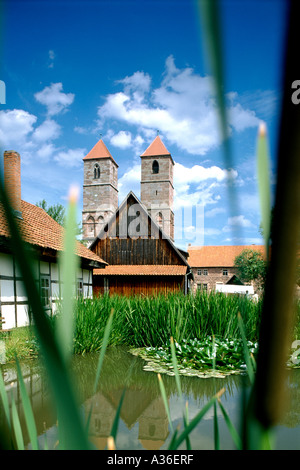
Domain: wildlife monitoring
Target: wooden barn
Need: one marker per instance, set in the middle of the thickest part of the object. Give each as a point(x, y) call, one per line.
point(136, 239)
point(141, 258)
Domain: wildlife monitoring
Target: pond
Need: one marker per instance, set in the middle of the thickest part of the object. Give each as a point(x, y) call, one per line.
point(144, 423)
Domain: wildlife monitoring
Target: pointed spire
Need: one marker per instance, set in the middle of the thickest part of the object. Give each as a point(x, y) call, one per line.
point(99, 151)
point(156, 148)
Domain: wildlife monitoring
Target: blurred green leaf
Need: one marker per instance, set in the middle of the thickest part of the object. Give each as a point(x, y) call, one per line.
point(263, 177)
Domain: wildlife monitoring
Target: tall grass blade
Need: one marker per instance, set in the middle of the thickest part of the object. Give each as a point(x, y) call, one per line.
point(233, 432)
point(216, 429)
point(175, 366)
point(178, 385)
point(68, 264)
point(4, 399)
point(186, 423)
point(105, 342)
point(248, 360)
point(115, 425)
point(188, 429)
point(165, 400)
point(28, 413)
point(263, 176)
point(17, 426)
point(174, 437)
point(270, 392)
point(211, 22)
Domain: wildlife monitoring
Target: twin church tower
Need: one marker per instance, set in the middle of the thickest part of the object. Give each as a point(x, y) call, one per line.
point(100, 188)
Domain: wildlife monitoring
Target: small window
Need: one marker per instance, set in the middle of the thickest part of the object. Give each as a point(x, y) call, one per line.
point(202, 287)
point(96, 171)
point(225, 272)
point(199, 272)
point(205, 272)
point(155, 167)
point(79, 288)
point(45, 291)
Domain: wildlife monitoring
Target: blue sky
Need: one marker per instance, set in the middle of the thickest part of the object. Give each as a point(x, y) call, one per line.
point(77, 69)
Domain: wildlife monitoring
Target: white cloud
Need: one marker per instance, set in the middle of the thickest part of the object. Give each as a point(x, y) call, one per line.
point(70, 158)
point(139, 83)
point(183, 108)
point(207, 181)
point(215, 211)
point(51, 55)
point(185, 196)
point(130, 181)
point(241, 118)
point(198, 173)
point(122, 140)
point(45, 151)
point(54, 98)
point(15, 126)
point(237, 222)
point(48, 130)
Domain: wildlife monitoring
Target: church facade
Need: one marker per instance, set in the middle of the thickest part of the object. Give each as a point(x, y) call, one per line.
point(135, 238)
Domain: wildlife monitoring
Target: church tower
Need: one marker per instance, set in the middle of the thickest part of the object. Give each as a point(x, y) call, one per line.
point(100, 190)
point(157, 190)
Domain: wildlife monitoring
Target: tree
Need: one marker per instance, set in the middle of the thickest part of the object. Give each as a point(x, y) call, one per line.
point(58, 213)
point(251, 266)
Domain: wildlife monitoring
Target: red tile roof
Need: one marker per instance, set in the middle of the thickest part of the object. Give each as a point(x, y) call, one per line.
point(142, 270)
point(99, 151)
point(218, 256)
point(156, 148)
point(39, 229)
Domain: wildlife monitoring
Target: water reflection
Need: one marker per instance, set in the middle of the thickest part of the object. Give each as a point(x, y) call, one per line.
point(144, 422)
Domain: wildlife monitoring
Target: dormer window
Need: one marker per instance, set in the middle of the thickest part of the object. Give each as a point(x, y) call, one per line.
point(155, 167)
point(96, 171)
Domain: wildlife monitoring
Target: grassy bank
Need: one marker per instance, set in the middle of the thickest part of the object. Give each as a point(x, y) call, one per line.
point(19, 342)
point(151, 321)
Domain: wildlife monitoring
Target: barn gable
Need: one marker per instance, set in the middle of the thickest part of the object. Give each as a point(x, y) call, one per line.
point(131, 236)
point(131, 243)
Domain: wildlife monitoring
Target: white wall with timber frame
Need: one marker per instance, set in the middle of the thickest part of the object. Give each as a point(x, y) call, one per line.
point(13, 300)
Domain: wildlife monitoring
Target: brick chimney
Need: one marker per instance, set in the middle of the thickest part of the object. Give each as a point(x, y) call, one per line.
point(12, 180)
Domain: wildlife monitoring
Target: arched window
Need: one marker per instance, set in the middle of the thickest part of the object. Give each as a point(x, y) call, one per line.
point(96, 171)
point(91, 226)
point(159, 219)
point(155, 167)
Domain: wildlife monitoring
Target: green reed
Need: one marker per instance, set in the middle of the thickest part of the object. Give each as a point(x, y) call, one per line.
point(151, 321)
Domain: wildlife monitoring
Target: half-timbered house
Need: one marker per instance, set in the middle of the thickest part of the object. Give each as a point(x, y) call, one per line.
point(44, 237)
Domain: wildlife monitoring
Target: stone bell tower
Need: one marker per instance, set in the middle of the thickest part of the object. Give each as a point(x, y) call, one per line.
point(100, 190)
point(157, 190)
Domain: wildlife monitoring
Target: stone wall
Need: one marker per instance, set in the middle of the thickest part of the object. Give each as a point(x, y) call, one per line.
point(157, 191)
point(100, 196)
point(208, 281)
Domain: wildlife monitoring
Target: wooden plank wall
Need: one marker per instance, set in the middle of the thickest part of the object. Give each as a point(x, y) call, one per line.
point(139, 285)
point(117, 245)
point(137, 251)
